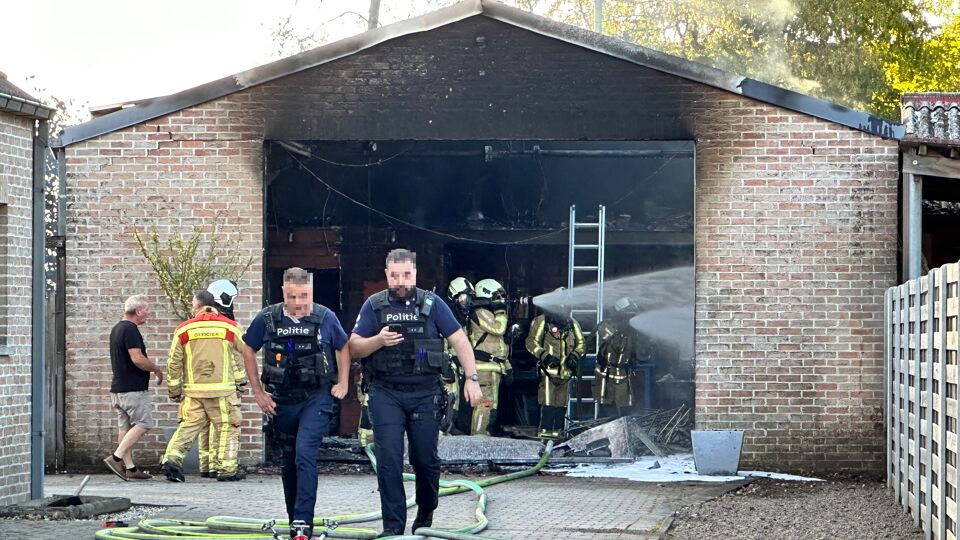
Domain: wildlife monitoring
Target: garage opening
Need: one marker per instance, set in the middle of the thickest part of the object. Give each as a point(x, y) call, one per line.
point(495, 209)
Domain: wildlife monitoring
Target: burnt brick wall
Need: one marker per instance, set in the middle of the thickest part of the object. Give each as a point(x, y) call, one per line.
point(795, 220)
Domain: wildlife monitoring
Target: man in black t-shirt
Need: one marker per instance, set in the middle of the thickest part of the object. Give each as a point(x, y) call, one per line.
point(128, 390)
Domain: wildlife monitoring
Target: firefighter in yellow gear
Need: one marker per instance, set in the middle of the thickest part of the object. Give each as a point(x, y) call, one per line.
point(612, 388)
point(452, 378)
point(556, 341)
point(461, 294)
point(365, 429)
point(224, 293)
point(204, 374)
point(486, 328)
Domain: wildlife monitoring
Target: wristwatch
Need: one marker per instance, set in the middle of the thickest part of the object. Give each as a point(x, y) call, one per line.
point(474, 377)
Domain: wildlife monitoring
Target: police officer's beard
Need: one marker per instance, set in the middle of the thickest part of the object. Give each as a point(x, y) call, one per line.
point(402, 293)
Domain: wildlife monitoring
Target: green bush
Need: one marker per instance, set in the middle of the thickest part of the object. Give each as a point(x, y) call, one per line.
point(185, 263)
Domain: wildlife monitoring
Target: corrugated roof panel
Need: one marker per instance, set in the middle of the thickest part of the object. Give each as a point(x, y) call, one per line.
point(932, 117)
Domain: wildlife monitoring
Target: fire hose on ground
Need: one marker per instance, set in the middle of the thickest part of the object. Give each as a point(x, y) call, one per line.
point(239, 528)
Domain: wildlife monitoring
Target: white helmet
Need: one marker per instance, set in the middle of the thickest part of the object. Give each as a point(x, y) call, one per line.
point(224, 293)
point(490, 289)
point(458, 286)
point(625, 306)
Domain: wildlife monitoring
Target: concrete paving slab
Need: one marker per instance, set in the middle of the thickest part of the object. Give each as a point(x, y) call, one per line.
point(543, 506)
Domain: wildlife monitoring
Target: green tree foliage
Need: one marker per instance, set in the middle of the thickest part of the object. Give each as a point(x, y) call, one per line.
point(861, 53)
point(934, 67)
point(184, 264)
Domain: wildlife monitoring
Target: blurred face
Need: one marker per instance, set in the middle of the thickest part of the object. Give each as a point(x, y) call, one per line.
point(402, 279)
point(298, 298)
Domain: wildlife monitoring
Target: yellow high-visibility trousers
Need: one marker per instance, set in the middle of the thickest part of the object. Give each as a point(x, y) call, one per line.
point(223, 414)
point(208, 441)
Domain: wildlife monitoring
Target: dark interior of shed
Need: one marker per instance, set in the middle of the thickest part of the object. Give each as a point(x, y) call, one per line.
point(941, 221)
point(481, 209)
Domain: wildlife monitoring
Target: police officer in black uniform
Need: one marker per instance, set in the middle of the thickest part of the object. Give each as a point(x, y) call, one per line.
point(399, 334)
point(301, 376)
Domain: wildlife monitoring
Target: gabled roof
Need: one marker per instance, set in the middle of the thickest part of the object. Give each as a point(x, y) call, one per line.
point(15, 101)
point(148, 109)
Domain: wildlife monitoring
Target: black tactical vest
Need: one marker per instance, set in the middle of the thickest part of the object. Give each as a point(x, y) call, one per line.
point(420, 353)
point(295, 363)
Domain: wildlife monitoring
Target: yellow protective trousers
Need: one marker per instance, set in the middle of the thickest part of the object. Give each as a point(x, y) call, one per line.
point(490, 374)
point(223, 414)
point(365, 429)
point(208, 441)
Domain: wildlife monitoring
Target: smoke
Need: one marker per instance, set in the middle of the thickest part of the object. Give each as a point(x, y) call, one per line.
point(670, 288)
point(672, 326)
point(747, 38)
point(666, 302)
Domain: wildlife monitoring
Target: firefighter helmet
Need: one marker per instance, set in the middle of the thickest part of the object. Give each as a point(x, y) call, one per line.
point(458, 286)
point(490, 290)
point(224, 292)
point(625, 306)
point(605, 331)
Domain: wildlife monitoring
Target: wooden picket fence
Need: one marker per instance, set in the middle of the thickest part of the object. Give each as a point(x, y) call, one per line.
point(920, 385)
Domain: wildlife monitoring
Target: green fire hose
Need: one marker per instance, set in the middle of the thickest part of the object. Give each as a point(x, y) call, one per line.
point(239, 528)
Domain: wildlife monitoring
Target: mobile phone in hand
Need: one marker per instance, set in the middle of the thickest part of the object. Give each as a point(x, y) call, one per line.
point(396, 328)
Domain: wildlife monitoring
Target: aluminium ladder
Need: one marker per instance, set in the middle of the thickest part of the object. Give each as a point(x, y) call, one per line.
point(575, 270)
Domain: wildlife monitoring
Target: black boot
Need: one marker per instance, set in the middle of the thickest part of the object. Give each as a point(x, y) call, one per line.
point(235, 477)
point(389, 532)
point(173, 473)
point(424, 519)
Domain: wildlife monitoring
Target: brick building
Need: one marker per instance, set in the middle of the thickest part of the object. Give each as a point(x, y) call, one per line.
point(22, 142)
point(793, 239)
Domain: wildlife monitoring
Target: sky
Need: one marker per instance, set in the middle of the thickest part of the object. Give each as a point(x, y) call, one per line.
point(100, 52)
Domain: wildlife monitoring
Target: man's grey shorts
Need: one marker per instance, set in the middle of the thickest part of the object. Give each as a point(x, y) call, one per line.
point(133, 409)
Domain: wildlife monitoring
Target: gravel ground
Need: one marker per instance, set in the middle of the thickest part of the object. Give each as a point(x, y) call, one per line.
point(130, 515)
point(837, 508)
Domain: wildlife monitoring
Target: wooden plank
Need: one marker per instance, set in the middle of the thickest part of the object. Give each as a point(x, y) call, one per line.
point(948, 508)
point(911, 219)
point(932, 165)
point(951, 512)
point(902, 444)
point(915, 374)
point(897, 392)
point(887, 369)
point(925, 402)
point(942, 281)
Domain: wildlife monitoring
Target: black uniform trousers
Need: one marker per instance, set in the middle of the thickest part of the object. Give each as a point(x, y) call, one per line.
point(304, 426)
point(394, 412)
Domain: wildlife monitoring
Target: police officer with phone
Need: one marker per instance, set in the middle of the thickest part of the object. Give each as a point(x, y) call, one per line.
point(399, 334)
